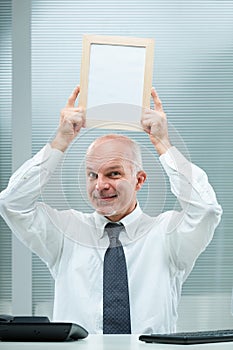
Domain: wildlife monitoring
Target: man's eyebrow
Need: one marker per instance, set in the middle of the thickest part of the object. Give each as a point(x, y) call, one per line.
point(114, 167)
point(90, 170)
point(110, 168)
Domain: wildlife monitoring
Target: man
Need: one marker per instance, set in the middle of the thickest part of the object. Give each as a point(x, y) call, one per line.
point(159, 251)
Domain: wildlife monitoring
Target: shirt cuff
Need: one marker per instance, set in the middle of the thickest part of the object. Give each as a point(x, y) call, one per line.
point(173, 159)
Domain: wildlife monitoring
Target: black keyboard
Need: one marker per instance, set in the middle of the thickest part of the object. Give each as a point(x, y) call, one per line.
point(214, 336)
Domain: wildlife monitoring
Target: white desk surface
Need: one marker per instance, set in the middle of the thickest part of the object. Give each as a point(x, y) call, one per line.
point(109, 342)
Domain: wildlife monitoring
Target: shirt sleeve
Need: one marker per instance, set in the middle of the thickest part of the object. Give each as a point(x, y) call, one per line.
point(190, 230)
point(36, 224)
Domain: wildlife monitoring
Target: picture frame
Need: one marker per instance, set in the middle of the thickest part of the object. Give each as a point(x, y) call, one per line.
point(115, 80)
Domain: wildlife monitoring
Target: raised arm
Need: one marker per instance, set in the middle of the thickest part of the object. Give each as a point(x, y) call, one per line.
point(191, 229)
point(37, 225)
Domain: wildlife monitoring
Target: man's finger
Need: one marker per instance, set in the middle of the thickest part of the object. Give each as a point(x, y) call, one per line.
point(157, 101)
point(73, 97)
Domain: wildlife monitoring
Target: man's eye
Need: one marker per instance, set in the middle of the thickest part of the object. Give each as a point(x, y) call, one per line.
point(115, 174)
point(92, 175)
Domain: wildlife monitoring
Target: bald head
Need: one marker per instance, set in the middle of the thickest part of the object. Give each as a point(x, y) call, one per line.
point(116, 146)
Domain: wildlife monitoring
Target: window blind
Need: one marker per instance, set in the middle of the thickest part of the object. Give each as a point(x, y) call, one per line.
point(5, 149)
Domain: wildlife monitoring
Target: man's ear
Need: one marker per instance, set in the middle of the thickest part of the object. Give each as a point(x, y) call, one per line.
point(141, 178)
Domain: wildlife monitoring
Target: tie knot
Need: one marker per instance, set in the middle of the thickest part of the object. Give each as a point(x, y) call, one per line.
point(113, 230)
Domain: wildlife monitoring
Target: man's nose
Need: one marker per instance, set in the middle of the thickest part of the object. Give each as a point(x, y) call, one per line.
point(102, 183)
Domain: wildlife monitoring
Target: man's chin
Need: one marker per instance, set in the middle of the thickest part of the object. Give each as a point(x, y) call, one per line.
point(106, 212)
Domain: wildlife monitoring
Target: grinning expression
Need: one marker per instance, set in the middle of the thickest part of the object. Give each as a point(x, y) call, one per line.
point(112, 181)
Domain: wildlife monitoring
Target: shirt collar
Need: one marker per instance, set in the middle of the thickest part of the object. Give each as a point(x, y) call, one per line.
point(130, 223)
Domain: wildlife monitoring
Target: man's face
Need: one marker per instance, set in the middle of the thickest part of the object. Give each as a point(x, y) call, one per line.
point(112, 182)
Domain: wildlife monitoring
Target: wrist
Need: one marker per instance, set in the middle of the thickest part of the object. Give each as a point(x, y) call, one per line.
point(60, 144)
point(162, 146)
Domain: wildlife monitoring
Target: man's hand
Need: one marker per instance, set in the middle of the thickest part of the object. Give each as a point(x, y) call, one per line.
point(72, 119)
point(154, 122)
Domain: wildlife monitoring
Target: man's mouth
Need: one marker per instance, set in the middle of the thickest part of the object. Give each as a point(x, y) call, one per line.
point(106, 198)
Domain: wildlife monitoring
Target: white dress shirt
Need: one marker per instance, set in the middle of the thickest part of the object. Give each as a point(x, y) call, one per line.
point(160, 251)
